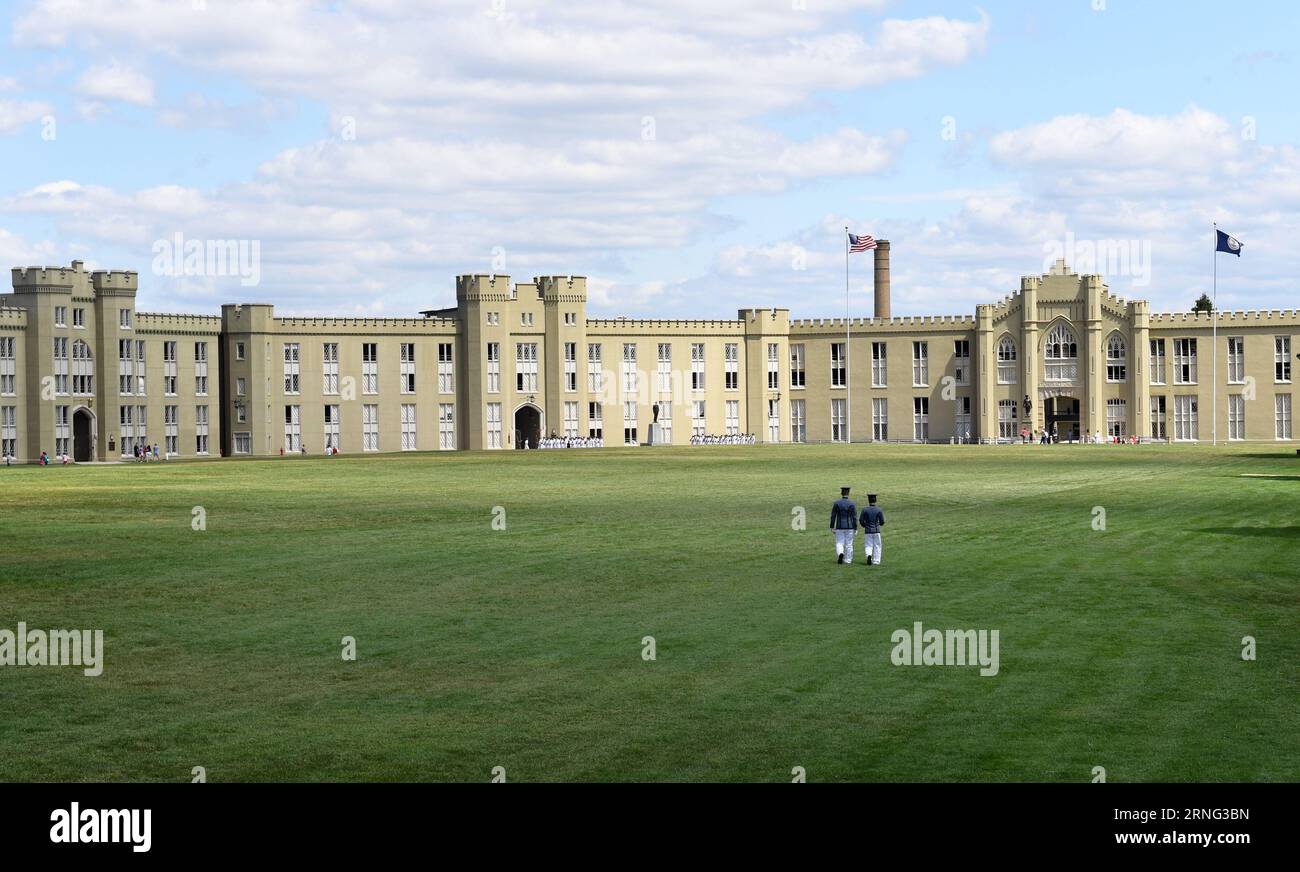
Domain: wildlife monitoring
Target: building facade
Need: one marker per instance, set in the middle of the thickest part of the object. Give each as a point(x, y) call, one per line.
point(83, 374)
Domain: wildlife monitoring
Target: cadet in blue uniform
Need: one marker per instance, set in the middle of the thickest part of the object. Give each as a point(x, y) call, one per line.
point(844, 523)
point(872, 520)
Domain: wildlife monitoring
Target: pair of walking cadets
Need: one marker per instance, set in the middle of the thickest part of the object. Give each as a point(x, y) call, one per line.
point(845, 521)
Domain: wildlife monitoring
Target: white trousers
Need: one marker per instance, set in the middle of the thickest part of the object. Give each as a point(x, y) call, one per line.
point(871, 546)
point(844, 544)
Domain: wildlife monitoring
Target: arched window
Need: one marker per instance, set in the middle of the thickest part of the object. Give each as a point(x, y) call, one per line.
point(83, 370)
point(1061, 355)
point(1006, 361)
point(1116, 359)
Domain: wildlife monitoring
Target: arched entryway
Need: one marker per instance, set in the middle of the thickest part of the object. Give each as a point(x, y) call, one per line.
point(1061, 417)
point(83, 435)
point(528, 425)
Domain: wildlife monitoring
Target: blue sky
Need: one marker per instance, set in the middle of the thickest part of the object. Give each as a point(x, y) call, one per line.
point(376, 149)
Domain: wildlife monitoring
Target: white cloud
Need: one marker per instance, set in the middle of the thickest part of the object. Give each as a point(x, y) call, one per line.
point(114, 82)
point(14, 114)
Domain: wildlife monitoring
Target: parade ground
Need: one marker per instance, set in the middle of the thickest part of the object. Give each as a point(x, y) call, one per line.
point(659, 614)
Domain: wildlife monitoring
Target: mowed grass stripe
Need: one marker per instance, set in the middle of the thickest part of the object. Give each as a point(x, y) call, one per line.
point(522, 647)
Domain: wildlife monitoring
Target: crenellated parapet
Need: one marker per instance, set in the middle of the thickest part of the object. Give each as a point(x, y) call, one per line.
point(485, 288)
point(562, 289)
point(430, 326)
point(168, 322)
point(1280, 317)
point(45, 279)
point(13, 319)
point(639, 326)
point(902, 324)
point(115, 283)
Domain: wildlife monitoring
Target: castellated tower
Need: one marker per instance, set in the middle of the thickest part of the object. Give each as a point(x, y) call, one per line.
point(767, 338)
point(483, 308)
point(564, 302)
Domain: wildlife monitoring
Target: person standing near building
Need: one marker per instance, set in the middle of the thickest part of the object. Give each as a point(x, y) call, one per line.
point(844, 524)
point(872, 520)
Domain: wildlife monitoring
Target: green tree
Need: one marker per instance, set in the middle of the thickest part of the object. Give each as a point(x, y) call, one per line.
point(1203, 304)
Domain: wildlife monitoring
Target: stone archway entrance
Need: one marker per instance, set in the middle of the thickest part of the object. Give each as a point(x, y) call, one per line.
point(83, 435)
point(528, 426)
point(1061, 416)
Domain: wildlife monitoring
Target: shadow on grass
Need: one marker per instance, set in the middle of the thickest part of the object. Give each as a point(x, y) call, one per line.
point(1271, 532)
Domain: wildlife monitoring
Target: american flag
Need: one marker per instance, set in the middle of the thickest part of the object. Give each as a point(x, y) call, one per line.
point(861, 243)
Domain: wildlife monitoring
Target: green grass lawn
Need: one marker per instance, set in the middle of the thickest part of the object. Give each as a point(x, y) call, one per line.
point(522, 648)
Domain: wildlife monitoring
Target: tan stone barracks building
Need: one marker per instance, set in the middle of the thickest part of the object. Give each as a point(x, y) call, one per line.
point(83, 374)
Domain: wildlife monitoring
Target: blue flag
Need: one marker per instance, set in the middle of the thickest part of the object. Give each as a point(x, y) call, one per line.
point(1228, 243)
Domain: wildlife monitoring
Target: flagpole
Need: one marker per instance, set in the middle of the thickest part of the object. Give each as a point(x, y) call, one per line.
point(1214, 341)
point(848, 369)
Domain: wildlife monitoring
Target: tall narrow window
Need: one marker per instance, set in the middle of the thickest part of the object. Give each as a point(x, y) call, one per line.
point(83, 370)
point(370, 427)
point(773, 366)
point(1116, 418)
point(406, 360)
point(494, 367)
point(1116, 359)
point(169, 369)
point(1186, 427)
point(292, 370)
point(961, 361)
point(838, 371)
point(961, 420)
point(61, 368)
point(330, 368)
point(408, 427)
point(1184, 362)
point(630, 382)
point(1236, 359)
point(526, 367)
point(1006, 361)
point(446, 369)
point(332, 428)
point(798, 376)
point(920, 419)
point(494, 425)
point(370, 368)
point(200, 429)
point(1008, 424)
point(1236, 416)
point(731, 366)
point(292, 429)
point(839, 430)
point(1282, 359)
point(1159, 419)
point(8, 368)
point(595, 375)
point(879, 365)
point(571, 419)
point(171, 430)
point(920, 364)
point(1157, 361)
point(446, 426)
point(201, 368)
point(697, 366)
point(880, 419)
point(571, 367)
